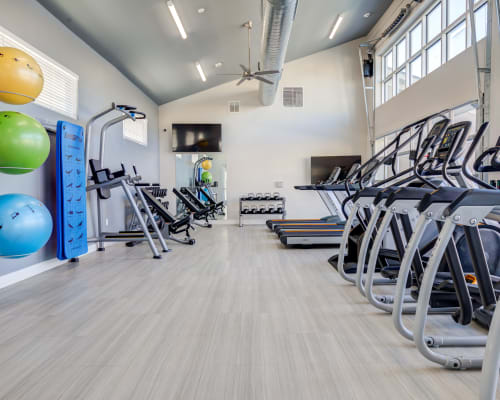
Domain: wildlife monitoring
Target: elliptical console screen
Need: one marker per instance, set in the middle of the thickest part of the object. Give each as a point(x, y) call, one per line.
point(438, 128)
point(435, 133)
point(448, 139)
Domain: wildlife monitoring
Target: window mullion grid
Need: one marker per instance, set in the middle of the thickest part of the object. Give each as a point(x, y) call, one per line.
point(443, 37)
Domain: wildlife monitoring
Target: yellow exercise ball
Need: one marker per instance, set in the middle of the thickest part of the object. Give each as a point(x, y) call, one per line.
point(21, 78)
point(206, 165)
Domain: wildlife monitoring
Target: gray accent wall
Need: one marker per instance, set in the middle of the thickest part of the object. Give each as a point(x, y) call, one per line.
point(100, 84)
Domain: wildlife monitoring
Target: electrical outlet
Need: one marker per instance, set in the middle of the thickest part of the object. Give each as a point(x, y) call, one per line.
point(279, 184)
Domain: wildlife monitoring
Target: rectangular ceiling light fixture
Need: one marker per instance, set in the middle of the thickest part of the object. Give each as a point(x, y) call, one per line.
point(335, 27)
point(176, 18)
point(200, 71)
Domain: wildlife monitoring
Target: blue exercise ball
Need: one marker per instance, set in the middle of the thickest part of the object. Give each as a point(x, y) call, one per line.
point(25, 225)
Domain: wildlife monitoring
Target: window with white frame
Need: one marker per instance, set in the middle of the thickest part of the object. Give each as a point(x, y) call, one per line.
point(60, 87)
point(136, 131)
point(443, 32)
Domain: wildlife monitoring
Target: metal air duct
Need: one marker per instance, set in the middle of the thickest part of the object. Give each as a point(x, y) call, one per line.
point(278, 17)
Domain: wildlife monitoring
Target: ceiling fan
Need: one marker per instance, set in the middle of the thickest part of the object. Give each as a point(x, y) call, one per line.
point(247, 74)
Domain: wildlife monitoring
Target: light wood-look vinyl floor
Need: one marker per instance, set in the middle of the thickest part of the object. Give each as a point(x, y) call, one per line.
point(235, 317)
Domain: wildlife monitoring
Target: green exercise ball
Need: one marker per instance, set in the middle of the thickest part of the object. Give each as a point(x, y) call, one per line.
point(207, 177)
point(24, 143)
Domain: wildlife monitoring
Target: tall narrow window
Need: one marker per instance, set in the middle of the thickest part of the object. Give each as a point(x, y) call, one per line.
point(481, 19)
point(434, 57)
point(401, 81)
point(456, 40)
point(388, 63)
point(416, 40)
point(434, 23)
point(415, 70)
point(401, 53)
point(456, 8)
point(388, 90)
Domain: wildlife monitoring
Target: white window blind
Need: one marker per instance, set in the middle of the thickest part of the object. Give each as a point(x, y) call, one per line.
point(136, 131)
point(60, 88)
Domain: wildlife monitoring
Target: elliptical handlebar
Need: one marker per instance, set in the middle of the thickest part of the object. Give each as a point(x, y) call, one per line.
point(472, 149)
point(375, 157)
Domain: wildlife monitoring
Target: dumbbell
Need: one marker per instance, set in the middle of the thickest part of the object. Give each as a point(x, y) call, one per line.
point(254, 210)
point(245, 210)
point(279, 210)
point(276, 196)
point(262, 209)
point(259, 196)
point(251, 196)
point(272, 209)
point(267, 196)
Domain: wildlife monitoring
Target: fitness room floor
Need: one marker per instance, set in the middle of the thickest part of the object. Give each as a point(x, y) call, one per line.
point(237, 317)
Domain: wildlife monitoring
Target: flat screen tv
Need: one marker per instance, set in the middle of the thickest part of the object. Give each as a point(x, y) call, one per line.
point(321, 167)
point(197, 138)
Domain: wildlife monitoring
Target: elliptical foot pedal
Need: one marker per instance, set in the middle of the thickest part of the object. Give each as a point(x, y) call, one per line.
point(101, 249)
point(157, 257)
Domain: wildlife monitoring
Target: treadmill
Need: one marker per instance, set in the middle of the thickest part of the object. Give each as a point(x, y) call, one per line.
point(332, 236)
point(326, 234)
point(331, 202)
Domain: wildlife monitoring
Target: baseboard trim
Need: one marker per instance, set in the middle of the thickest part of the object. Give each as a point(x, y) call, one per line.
point(35, 269)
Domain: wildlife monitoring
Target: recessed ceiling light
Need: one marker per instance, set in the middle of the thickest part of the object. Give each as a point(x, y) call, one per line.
point(176, 18)
point(201, 10)
point(200, 71)
point(218, 64)
point(335, 27)
point(367, 15)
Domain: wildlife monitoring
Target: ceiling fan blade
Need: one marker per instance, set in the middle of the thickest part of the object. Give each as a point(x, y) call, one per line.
point(241, 81)
point(228, 74)
point(266, 72)
point(259, 78)
point(244, 68)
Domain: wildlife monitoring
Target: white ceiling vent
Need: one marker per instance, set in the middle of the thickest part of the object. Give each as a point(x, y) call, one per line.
point(234, 106)
point(293, 97)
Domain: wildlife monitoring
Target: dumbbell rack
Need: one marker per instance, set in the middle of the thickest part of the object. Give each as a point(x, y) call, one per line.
point(244, 200)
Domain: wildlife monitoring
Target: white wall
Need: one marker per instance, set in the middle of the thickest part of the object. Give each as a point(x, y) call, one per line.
point(100, 84)
point(268, 144)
